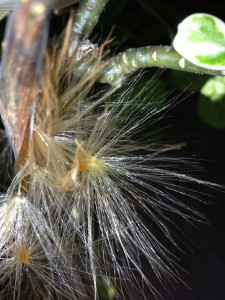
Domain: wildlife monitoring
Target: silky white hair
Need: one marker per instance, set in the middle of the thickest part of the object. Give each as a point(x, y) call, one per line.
point(93, 199)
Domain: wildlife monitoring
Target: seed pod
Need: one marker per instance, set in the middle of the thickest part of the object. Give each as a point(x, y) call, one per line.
point(23, 50)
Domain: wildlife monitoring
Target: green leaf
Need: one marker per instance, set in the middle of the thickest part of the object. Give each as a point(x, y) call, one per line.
point(212, 59)
point(207, 30)
point(201, 40)
point(214, 88)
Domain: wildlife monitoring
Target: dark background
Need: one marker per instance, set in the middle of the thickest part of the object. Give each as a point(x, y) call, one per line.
point(149, 22)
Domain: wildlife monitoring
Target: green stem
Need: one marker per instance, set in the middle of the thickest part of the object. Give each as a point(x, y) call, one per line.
point(87, 16)
point(151, 56)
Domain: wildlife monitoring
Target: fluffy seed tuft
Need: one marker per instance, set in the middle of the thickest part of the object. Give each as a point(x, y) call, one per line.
point(93, 200)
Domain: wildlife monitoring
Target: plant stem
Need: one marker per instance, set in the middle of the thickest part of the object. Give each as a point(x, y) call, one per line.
point(151, 56)
point(87, 16)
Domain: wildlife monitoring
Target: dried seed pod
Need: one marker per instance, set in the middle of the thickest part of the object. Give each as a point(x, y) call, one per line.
point(23, 50)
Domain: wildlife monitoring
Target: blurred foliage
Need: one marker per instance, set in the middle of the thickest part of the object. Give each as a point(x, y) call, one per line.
point(106, 289)
point(211, 105)
point(214, 88)
point(187, 81)
point(212, 112)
